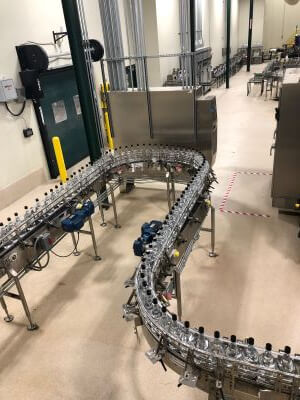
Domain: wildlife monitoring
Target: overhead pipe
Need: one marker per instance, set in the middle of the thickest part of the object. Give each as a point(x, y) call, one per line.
point(86, 97)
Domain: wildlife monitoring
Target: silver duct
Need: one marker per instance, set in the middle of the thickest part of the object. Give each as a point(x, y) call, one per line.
point(136, 39)
point(111, 25)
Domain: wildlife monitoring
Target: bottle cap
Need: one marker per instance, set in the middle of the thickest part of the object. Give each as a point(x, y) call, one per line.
point(164, 309)
point(142, 275)
point(251, 341)
point(217, 334)
point(201, 330)
point(268, 347)
point(187, 324)
point(287, 350)
point(148, 292)
point(233, 338)
point(144, 284)
point(16, 214)
point(36, 200)
point(154, 301)
point(1, 223)
point(174, 317)
point(8, 219)
point(26, 207)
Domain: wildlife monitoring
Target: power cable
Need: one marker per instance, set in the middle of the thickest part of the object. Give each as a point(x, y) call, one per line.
point(68, 255)
point(16, 114)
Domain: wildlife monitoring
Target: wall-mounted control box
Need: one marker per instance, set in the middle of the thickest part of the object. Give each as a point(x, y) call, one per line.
point(7, 90)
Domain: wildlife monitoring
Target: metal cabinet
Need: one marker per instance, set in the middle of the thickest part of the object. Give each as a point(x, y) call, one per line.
point(286, 172)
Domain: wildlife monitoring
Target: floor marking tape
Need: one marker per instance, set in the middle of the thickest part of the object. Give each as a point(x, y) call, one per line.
point(229, 188)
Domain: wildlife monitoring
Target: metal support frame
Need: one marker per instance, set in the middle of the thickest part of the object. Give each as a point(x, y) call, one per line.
point(250, 29)
point(212, 231)
point(228, 29)
point(21, 297)
point(177, 288)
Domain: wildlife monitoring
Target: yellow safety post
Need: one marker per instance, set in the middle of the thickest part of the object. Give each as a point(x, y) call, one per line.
point(59, 159)
point(110, 140)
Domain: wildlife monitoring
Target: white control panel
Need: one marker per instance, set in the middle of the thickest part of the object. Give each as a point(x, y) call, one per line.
point(7, 90)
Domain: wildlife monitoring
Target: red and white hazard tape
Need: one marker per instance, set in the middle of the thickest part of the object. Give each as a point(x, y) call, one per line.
point(227, 193)
point(245, 213)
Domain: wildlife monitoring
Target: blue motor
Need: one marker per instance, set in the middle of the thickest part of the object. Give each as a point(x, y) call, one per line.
point(76, 221)
point(148, 231)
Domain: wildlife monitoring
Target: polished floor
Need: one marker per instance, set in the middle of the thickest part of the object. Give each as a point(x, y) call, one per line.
point(84, 350)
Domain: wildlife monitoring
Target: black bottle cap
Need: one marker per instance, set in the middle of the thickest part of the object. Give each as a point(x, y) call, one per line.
point(144, 284)
point(142, 275)
point(268, 347)
point(143, 266)
point(16, 214)
point(51, 190)
point(217, 334)
point(148, 292)
point(174, 317)
point(1, 223)
point(8, 219)
point(187, 324)
point(251, 341)
point(46, 194)
point(287, 350)
point(26, 207)
point(233, 338)
point(164, 309)
point(154, 301)
point(143, 259)
point(36, 200)
point(201, 330)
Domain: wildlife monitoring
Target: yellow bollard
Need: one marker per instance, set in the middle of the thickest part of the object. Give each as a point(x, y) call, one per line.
point(110, 139)
point(59, 159)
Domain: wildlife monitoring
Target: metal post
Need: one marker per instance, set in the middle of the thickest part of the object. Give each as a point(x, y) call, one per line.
point(192, 24)
point(97, 257)
point(212, 253)
point(32, 326)
point(168, 191)
point(228, 19)
point(99, 201)
point(249, 51)
point(177, 285)
point(75, 252)
point(9, 317)
point(87, 100)
point(113, 200)
point(149, 106)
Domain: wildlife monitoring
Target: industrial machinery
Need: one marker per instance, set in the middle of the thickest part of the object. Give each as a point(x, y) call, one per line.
point(286, 171)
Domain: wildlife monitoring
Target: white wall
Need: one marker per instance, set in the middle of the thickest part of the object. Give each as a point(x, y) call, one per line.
point(217, 29)
point(258, 21)
point(284, 17)
point(29, 20)
point(168, 34)
point(235, 7)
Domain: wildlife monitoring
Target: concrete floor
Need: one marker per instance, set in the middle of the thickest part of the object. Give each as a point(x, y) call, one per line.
point(84, 350)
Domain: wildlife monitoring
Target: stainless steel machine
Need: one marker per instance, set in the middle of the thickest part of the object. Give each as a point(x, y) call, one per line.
point(174, 120)
point(286, 171)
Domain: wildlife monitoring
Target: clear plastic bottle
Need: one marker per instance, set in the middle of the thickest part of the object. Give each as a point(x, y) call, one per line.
point(250, 353)
point(143, 286)
point(233, 350)
point(284, 361)
point(187, 336)
point(202, 341)
point(266, 358)
point(156, 310)
point(217, 347)
point(165, 320)
point(148, 300)
point(174, 327)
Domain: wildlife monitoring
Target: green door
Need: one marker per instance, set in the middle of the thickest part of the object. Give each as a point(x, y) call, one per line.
point(61, 116)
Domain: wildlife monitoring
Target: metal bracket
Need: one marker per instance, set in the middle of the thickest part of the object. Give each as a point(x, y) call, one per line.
point(57, 36)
